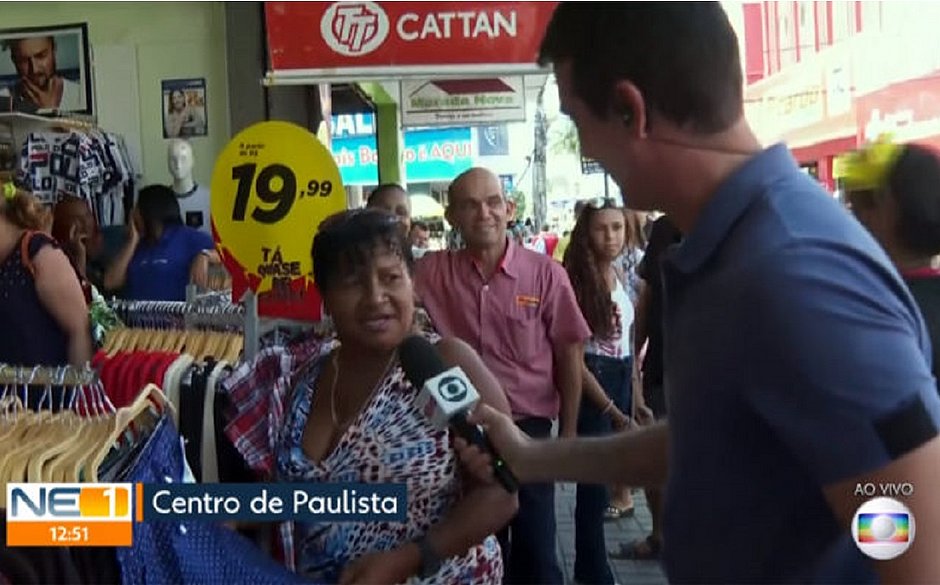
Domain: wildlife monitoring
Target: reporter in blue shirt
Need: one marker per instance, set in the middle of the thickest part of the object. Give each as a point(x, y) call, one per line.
point(797, 365)
point(161, 255)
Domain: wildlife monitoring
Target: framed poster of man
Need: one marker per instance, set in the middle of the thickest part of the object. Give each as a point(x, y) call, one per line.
point(46, 70)
point(184, 108)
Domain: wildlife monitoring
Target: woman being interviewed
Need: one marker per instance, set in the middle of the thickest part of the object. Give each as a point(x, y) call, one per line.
point(351, 417)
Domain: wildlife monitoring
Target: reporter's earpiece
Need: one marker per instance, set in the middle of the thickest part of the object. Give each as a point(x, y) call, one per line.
point(627, 117)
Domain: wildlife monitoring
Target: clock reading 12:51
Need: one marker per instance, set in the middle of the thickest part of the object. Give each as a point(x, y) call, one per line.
point(69, 533)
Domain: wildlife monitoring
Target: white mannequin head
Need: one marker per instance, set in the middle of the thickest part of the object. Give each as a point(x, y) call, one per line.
point(180, 159)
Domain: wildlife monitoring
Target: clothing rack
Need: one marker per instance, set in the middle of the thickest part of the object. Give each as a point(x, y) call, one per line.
point(213, 311)
point(179, 314)
point(21, 124)
point(47, 376)
point(107, 181)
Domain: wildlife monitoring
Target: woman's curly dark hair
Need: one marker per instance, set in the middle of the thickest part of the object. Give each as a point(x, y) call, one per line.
point(348, 240)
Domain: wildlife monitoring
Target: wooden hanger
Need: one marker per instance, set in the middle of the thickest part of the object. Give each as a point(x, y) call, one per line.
point(181, 341)
point(65, 467)
point(125, 416)
point(235, 349)
point(12, 410)
point(221, 348)
point(70, 467)
point(65, 428)
point(30, 427)
point(122, 342)
point(51, 465)
point(112, 339)
point(203, 343)
point(36, 437)
point(168, 340)
point(178, 341)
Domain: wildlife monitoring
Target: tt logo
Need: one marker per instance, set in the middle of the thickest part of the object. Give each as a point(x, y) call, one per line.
point(354, 28)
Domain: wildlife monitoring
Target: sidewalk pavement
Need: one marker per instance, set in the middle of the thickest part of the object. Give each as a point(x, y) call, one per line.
point(625, 530)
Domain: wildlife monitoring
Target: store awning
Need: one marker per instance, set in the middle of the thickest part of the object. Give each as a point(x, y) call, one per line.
point(425, 206)
point(316, 42)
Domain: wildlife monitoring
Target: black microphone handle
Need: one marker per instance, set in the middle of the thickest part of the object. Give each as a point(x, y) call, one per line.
point(475, 435)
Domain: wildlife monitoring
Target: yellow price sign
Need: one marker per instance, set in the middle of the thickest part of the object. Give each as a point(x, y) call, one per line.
point(271, 187)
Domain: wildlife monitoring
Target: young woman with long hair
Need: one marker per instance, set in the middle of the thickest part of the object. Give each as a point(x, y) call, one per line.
point(596, 242)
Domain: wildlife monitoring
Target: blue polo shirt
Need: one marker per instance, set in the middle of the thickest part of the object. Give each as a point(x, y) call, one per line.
point(794, 356)
point(160, 271)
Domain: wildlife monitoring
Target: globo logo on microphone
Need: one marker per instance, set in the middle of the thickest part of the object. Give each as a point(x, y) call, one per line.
point(446, 395)
point(453, 389)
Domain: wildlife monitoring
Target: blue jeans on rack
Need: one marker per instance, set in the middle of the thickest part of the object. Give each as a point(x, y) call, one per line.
point(590, 564)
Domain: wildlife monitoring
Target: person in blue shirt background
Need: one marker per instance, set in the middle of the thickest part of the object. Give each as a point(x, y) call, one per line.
point(161, 255)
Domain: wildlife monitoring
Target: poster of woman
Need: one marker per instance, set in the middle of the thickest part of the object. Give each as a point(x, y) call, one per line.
point(184, 108)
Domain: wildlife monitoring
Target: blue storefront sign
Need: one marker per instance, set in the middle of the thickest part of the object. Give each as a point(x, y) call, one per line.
point(434, 154)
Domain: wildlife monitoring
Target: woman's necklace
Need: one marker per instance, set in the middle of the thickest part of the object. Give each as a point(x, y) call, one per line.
point(335, 417)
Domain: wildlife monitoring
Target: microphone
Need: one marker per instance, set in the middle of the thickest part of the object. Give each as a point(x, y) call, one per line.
point(445, 397)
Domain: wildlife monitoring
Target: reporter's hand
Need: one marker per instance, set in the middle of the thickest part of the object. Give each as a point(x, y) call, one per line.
point(512, 445)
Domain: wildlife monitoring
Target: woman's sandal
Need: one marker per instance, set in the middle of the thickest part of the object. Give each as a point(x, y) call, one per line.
point(615, 513)
point(647, 549)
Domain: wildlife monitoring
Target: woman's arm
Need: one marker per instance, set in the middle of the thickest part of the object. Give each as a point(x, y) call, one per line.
point(482, 509)
point(116, 274)
point(592, 390)
point(202, 250)
point(640, 332)
point(643, 414)
point(61, 294)
point(199, 269)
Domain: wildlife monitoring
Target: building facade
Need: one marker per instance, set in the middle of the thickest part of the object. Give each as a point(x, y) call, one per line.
point(827, 76)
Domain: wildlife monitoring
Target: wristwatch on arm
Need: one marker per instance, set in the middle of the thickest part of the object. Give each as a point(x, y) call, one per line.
point(430, 561)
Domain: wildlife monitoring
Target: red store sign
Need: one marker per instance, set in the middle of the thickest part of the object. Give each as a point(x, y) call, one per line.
point(356, 39)
point(909, 110)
